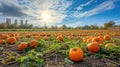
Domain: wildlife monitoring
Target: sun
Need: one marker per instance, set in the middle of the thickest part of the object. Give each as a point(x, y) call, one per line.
point(46, 17)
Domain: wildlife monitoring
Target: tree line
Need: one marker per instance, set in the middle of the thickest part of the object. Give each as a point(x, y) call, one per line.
point(25, 25)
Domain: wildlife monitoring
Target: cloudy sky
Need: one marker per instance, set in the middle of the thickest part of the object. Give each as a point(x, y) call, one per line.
point(58, 12)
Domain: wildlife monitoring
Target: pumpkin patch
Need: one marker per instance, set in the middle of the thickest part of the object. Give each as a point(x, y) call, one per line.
point(63, 48)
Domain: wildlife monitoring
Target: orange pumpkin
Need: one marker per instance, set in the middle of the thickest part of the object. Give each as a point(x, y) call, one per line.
point(60, 38)
point(11, 40)
point(4, 36)
point(45, 38)
point(33, 43)
point(76, 54)
point(99, 40)
point(71, 37)
point(78, 37)
point(11, 34)
point(93, 47)
point(27, 35)
point(22, 46)
point(37, 37)
point(17, 37)
point(100, 37)
point(107, 37)
point(2, 41)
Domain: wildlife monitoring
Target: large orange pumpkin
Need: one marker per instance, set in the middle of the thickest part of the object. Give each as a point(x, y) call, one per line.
point(99, 40)
point(107, 37)
point(33, 43)
point(11, 40)
point(76, 54)
point(22, 46)
point(2, 41)
point(93, 47)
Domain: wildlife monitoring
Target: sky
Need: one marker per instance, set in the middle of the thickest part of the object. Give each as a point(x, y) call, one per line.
point(58, 12)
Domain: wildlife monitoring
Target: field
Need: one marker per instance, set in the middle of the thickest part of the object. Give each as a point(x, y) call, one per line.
point(53, 48)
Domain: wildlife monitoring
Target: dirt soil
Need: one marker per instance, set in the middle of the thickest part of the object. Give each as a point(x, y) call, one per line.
point(57, 60)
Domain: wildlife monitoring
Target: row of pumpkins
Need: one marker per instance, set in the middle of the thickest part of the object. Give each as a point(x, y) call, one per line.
point(76, 54)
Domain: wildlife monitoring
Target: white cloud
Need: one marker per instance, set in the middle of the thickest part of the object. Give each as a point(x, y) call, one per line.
point(43, 11)
point(75, 24)
point(0, 13)
point(117, 21)
point(107, 5)
point(80, 7)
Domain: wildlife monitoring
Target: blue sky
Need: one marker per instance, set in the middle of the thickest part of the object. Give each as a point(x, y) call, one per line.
point(59, 12)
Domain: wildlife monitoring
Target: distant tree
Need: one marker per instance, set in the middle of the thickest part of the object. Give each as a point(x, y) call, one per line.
point(56, 27)
point(86, 27)
point(109, 24)
point(71, 28)
point(78, 27)
point(30, 26)
point(8, 22)
point(64, 26)
point(93, 26)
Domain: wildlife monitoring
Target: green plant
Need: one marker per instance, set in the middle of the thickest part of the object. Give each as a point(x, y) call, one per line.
point(32, 59)
point(8, 57)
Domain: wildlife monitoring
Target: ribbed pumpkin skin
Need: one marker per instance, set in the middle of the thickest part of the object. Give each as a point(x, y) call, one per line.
point(22, 46)
point(76, 54)
point(93, 47)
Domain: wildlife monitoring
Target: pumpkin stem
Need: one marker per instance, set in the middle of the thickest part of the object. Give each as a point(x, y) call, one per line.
point(74, 49)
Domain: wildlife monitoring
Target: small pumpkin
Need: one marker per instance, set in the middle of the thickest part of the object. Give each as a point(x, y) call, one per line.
point(78, 37)
point(93, 47)
point(45, 38)
point(4, 36)
point(2, 42)
point(11, 34)
point(17, 37)
point(22, 46)
point(60, 38)
point(33, 43)
point(76, 54)
point(37, 37)
point(27, 35)
point(107, 37)
point(11, 40)
point(71, 37)
point(99, 40)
